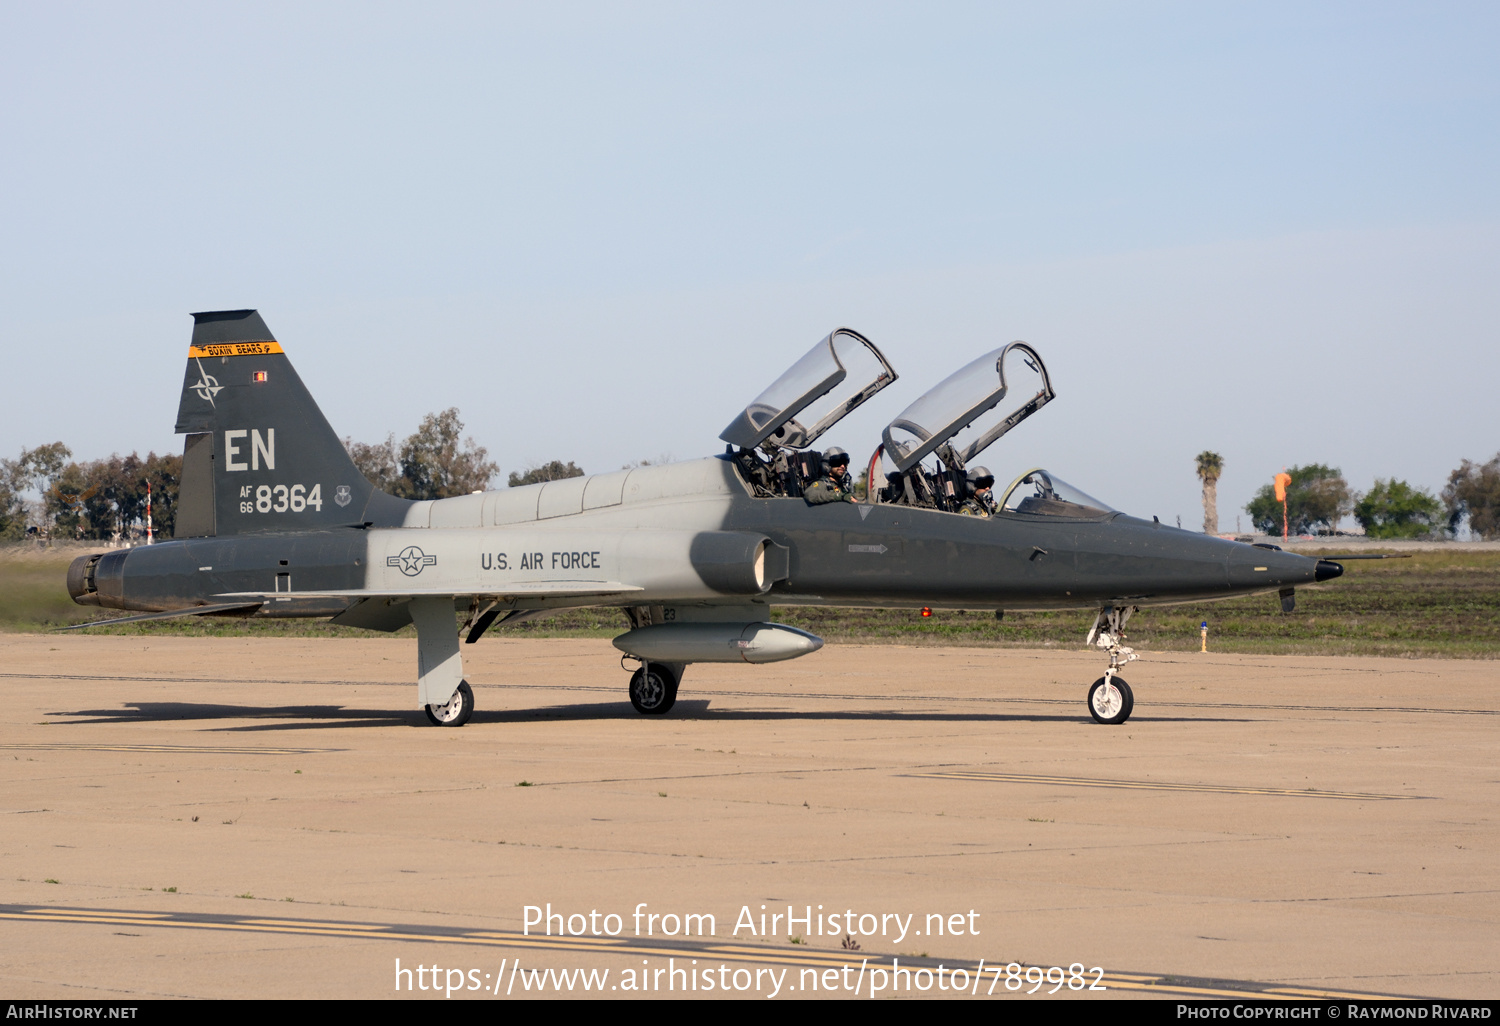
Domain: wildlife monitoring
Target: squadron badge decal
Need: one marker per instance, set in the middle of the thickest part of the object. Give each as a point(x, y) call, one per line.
point(341, 496)
point(411, 560)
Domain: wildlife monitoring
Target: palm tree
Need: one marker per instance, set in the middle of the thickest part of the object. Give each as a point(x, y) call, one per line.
point(1210, 466)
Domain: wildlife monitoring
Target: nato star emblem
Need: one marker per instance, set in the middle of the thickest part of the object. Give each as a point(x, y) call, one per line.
point(207, 386)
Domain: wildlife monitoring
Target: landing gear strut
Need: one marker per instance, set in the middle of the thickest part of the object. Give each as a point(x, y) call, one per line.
point(442, 692)
point(1110, 699)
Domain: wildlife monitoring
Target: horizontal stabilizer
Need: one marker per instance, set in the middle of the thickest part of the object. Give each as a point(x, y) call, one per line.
point(223, 607)
point(1372, 555)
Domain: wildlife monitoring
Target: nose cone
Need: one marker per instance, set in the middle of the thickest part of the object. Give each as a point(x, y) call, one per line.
point(1253, 567)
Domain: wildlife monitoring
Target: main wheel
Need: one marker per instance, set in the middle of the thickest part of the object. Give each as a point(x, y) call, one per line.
point(1111, 702)
point(458, 710)
point(653, 692)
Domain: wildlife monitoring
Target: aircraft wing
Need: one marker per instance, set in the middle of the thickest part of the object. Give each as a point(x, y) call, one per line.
point(362, 610)
point(535, 589)
point(390, 610)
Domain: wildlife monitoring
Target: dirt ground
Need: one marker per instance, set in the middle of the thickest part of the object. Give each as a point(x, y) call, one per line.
point(254, 817)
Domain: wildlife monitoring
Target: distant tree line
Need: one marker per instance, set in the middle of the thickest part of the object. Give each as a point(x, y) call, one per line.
point(557, 470)
point(1319, 497)
point(96, 500)
point(1473, 494)
point(105, 499)
point(431, 463)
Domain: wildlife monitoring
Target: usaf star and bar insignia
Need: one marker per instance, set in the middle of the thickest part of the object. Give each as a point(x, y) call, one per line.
point(411, 560)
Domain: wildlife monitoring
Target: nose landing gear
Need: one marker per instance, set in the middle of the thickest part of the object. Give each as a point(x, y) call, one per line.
point(1110, 700)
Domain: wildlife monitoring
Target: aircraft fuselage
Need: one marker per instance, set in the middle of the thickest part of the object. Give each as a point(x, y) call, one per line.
point(653, 537)
point(275, 520)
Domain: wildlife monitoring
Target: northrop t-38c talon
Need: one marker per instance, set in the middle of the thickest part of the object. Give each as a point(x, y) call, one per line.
point(273, 520)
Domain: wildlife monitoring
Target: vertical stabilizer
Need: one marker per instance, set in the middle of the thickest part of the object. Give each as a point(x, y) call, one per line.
point(260, 456)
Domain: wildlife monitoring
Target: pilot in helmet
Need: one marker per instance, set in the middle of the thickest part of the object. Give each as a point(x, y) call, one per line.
point(837, 462)
point(981, 500)
point(835, 485)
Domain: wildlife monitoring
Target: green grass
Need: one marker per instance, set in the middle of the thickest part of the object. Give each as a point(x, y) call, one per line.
point(33, 591)
point(1443, 603)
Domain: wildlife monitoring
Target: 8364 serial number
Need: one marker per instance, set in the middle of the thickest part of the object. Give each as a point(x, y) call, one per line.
point(281, 498)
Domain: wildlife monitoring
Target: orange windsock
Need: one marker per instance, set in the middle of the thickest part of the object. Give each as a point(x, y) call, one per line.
point(1283, 479)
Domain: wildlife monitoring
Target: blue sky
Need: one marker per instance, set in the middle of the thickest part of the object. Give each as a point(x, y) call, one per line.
point(1266, 229)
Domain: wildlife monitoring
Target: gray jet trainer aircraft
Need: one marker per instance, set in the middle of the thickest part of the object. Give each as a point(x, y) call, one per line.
point(273, 520)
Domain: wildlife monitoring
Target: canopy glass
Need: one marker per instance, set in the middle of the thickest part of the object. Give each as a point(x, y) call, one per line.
point(836, 376)
point(968, 409)
point(1041, 493)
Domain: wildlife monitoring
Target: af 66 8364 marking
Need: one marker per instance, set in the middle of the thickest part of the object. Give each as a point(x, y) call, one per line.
point(280, 498)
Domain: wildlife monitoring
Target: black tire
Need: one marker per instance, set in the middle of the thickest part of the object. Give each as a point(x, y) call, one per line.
point(654, 696)
point(1104, 709)
point(458, 710)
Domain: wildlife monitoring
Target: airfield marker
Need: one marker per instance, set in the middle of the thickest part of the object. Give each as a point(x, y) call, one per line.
point(1282, 480)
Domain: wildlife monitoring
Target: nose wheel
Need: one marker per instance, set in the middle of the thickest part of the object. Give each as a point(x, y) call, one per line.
point(1110, 699)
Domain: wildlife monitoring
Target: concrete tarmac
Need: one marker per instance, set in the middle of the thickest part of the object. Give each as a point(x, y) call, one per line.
point(273, 818)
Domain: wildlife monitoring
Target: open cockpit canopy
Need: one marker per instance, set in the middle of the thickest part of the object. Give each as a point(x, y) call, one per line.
point(970, 402)
point(1041, 493)
point(814, 394)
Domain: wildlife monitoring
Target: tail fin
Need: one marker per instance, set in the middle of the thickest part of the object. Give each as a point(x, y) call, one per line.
point(260, 456)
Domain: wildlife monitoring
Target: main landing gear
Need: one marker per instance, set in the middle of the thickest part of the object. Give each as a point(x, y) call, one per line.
point(458, 710)
point(653, 687)
point(1110, 699)
point(442, 692)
